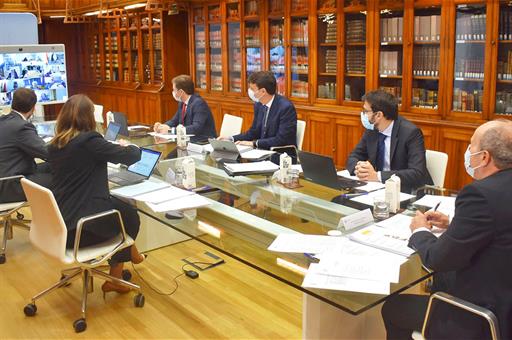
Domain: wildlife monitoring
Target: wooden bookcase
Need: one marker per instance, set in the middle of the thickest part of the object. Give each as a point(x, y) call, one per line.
point(448, 61)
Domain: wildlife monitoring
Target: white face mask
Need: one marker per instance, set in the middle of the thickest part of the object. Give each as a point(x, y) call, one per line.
point(175, 95)
point(467, 162)
point(252, 95)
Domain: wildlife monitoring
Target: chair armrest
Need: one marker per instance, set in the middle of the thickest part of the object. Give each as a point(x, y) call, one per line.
point(11, 178)
point(465, 305)
point(89, 218)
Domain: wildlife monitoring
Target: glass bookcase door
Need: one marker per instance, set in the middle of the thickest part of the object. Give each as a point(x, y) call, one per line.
point(115, 53)
point(215, 57)
point(200, 55)
point(277, 52)
point(426, 57)
point(300, 57)
point(327, 55)
point(355, 55)
point(503, 105)
point(234, 57)
point(252, 45)
point(391, 49)
point(470, 35)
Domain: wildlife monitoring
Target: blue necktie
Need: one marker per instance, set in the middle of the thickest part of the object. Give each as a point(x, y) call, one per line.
point(381, 152)
point(264, 123)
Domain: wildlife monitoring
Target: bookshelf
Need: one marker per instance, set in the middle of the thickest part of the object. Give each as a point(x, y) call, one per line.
point(277, 54)
point(355, 54)
point(503, 102)
point(327, 60)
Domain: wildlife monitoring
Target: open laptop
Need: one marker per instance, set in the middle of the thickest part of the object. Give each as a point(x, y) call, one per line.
point(225, 150)
point(46, 130)
point(136, 172)
point(321, 170)
point(112, 131)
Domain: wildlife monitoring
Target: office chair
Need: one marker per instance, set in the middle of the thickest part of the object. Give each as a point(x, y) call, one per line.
point(301, 130)
point(231, 125)
point(462, 304)
point(48, 233)
point(436, 166)
point(6, 212)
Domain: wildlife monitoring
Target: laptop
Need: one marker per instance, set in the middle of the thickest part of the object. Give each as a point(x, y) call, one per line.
point(136, 172)
point(46, 130)
point(321, 170)
point(120, 118)
point(112, 131)
point(225, 150)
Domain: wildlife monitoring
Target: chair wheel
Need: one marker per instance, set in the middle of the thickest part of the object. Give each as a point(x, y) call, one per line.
point(80, 325)
point(2, 259)
point(20, 217)
point(127, 275)
point(30, 309)
point(139, 300)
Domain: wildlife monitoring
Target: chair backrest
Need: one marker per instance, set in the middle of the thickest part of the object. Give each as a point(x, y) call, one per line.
point(231, 125)
point(301, 129)
point(98, 113)
point(436, 166)
point(48, 231)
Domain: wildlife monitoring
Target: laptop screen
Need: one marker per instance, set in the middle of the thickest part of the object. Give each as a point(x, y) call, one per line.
point(46, 129)
point(147, 163)
point(112, 131)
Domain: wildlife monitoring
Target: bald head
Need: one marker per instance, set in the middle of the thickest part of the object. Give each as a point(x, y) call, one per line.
point(496, 138)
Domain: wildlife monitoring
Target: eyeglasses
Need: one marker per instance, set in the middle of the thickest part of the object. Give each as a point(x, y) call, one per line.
point(366, 112)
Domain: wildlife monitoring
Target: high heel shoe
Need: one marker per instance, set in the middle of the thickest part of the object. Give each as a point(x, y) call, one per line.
point(112, 287)
point(141, 259)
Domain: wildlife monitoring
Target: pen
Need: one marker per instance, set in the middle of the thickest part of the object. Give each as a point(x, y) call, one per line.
point(354, 195)
point(437, 206)
point(310, 256)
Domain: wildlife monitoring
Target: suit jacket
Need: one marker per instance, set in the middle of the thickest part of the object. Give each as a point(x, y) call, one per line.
point(80, 178)
point(281, 126)
point(478, 247)
point(407, 154)
point(19, 145)
point(198, 119)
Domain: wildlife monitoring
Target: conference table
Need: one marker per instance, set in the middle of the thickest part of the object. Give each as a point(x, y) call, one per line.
point(245, 215)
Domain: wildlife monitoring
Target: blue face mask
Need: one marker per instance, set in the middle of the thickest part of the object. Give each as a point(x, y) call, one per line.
point(366, 122)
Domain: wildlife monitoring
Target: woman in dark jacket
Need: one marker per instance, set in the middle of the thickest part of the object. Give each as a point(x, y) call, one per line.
point(78, 156)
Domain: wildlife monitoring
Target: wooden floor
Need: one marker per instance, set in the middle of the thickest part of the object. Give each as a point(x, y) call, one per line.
point(228, 301)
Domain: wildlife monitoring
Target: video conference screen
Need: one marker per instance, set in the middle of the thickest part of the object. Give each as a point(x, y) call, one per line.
point(39, 67)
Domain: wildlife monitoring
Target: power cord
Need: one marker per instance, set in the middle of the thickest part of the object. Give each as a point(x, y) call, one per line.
point(174, 279)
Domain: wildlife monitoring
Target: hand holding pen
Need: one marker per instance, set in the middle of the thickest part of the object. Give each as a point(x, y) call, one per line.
point(436, 218)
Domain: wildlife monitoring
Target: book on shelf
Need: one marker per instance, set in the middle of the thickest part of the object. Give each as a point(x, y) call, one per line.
point(394, 90)
point(355, 30)
point(391, 30)
point(300, 88)
point(276, 34)
point(331, 62)
point(470, 27)
point(426, 61)
point(299, 5)
point(390, 63)
point(330, 32)
point(471, 101)
point(504, 102)
point(300, 32)
point(469, 69)
point(424, 98)
point(356, 61)
point(427, 28)
point(504, 66)
point(505, 26)
point(327, 90)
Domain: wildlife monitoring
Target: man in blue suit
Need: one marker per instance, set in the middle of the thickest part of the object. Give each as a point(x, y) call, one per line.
point(275, 119)
point(193, 112)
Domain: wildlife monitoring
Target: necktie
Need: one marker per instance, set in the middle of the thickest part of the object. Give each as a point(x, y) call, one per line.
point(381, 152)
point(183, 113)
point(265, 118)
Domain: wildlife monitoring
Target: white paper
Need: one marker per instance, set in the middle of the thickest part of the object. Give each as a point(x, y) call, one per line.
point(447, 205)
point(371, 186)
point(382, 239)
point(398, 225)
point(166, 136)
point(345, 173)
point(195, 147)
point(130, 191)
point(358, 219)
point(256, 153)
point(368, 198)
point(184, 203)
point(162, 195)
point(264, 166)
point(301, 243)
point(315, 280)
point(361, 267)
point(297, 167)
point(137, 127)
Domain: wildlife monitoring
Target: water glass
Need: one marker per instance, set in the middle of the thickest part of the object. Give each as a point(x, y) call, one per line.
point(380, 208)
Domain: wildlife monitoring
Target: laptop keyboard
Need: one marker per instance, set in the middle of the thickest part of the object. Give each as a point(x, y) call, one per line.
point(124, 178)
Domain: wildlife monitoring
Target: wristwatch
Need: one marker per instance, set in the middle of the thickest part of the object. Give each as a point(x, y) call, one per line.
point(255, 143)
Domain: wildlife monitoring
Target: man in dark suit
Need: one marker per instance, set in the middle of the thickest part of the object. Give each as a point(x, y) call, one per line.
point(390, 145)
point(477, 246)
point(275, 119)
point(193, 112)
point(19, 145)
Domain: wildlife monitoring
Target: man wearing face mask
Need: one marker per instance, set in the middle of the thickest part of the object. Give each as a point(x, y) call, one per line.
point(477, 246)
point(193, 112)
point(19, 145)
point(275, 119)
point(390, 145)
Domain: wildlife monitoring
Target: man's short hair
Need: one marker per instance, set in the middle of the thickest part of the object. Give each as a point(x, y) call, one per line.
point(23, 100)
point(498, 142)
point(383, 101)
point(265, 80)
point(184, 82)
